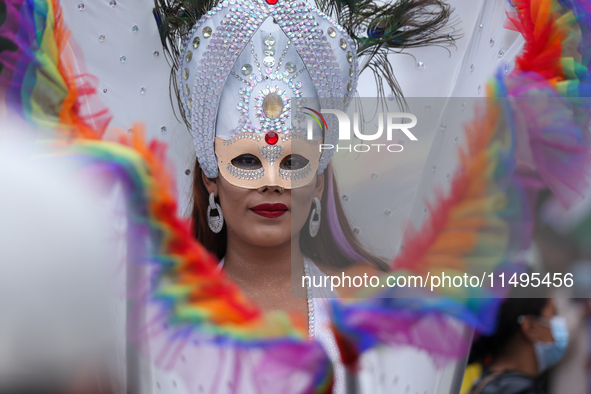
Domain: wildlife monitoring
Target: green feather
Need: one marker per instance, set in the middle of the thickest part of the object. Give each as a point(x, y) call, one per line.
point(404, 24)
point(401, 24)
point(174, 19)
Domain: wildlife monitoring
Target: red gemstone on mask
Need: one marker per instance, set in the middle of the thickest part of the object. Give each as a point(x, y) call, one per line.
point(271, 138)
point(272, 2)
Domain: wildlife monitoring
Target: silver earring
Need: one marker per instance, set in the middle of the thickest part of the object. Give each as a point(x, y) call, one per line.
point(315, 224)
point(215, 222)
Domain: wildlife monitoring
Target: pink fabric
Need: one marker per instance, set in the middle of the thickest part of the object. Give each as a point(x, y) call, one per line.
point(553, 149)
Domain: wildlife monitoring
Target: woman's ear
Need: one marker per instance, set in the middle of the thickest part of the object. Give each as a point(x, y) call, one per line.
point(319, 190)
point(530, 329)
point(211, 184)
point(526, 326)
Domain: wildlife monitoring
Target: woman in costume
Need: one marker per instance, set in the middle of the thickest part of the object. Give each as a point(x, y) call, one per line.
point(265, 200)
point(324, 66)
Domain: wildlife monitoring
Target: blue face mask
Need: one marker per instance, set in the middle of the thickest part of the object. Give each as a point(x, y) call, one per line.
point(549, 353)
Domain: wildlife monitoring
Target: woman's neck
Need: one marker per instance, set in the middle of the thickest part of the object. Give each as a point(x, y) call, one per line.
point(255, 264)
point(264, 274)
point(521, 358)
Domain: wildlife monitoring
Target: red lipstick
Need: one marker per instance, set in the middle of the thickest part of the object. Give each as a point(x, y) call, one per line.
point(270, 211)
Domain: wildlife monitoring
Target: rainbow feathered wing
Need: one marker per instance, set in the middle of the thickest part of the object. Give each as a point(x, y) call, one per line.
point(487, 215)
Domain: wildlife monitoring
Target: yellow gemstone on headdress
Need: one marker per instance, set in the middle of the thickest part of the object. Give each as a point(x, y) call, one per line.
point(188, 56)
point(206, 32)
point(196, 42)
point(343, 43)
point(272, 106)
point(331, 32)
point(350, 57)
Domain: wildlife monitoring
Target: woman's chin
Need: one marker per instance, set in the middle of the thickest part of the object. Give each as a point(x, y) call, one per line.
point(266, 236)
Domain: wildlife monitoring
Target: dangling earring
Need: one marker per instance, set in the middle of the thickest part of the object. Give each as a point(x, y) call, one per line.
point(215, 222)
point(315, 224)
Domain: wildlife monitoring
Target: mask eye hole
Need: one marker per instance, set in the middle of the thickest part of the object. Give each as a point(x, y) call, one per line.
point(294, 162)
point(247, 162)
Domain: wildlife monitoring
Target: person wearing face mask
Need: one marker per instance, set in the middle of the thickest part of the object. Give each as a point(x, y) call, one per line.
point(529, 339)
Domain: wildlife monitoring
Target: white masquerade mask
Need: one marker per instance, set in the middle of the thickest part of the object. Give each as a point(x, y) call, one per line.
point(250, 161)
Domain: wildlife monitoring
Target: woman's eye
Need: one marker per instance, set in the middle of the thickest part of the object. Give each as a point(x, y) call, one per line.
point(247, 162)
point(294, 162)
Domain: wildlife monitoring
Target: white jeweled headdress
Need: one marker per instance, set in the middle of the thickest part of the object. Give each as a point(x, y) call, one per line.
point(242, 63)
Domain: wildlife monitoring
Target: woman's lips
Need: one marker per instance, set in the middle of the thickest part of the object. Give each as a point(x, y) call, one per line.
point(270, 210)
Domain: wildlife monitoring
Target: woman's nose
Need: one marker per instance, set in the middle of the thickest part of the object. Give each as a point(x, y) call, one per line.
point(277, 189)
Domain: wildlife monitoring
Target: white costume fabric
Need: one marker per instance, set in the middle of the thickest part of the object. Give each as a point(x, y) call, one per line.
point(55, 297)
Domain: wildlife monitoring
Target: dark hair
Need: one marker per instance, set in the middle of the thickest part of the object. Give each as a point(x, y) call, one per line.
point(487, 348)
point(323, 247)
